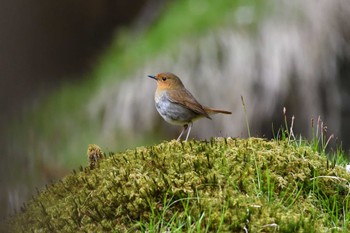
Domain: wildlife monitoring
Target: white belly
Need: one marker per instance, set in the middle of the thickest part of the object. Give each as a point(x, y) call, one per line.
point(174, 113)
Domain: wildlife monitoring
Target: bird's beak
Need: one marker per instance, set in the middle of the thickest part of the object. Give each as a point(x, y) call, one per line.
point(152, 76)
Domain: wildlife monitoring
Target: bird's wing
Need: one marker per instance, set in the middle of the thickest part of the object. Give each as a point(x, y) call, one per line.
point(184, 98)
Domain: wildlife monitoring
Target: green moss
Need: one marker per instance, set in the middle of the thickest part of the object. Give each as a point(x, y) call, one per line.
point(224, 184)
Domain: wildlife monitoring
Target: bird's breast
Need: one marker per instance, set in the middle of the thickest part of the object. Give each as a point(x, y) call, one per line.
point(172, 112)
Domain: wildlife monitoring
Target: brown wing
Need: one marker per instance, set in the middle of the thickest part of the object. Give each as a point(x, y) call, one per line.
point(184, 97)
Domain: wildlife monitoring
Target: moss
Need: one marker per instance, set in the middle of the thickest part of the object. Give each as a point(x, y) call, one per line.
point(233, 183)
point(94, 154)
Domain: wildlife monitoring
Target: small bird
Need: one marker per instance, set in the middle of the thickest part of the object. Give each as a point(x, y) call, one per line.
point(177, 105)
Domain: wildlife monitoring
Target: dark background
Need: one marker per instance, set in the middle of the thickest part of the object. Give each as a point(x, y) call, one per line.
point(43, 43)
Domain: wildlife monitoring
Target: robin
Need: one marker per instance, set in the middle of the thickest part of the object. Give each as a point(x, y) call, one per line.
point(177, 105)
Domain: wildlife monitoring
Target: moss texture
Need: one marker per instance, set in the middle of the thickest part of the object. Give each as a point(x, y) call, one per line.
point(230, 184)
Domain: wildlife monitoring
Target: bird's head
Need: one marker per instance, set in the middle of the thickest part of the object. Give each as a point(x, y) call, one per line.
point(167, 80)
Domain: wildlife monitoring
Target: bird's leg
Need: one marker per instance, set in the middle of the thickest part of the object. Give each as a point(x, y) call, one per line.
point(182, 132)
point(189, 130)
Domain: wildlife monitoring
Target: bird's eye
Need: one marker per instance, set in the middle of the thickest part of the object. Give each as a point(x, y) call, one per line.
point(164, 78)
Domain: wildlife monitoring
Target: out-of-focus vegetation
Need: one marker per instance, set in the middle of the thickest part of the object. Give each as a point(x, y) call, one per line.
point(182, 19)
point(61, 126)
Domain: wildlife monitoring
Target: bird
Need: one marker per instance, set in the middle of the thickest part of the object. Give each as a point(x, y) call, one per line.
point(177, 105)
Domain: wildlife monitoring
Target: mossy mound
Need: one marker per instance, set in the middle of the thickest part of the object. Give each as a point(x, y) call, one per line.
point(227, 185)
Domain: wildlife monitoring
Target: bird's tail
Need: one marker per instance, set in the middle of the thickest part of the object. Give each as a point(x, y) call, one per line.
point(214, 111)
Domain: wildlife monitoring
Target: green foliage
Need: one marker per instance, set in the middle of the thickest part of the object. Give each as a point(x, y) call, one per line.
point(225, 185)
point(179, 20)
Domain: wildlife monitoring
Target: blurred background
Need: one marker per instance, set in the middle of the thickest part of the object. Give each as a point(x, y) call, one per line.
point(75, 72)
